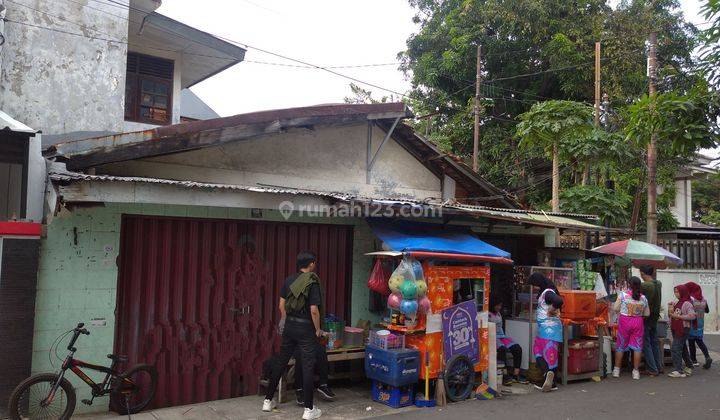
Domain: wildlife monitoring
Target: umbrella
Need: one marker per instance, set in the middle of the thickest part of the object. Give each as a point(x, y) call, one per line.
point(641, 253)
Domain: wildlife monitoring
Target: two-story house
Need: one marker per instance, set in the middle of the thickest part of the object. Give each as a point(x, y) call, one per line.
point(73, 69)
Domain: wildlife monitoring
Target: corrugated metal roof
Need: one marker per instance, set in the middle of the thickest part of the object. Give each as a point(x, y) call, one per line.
point(9, 123)
point(558, 220)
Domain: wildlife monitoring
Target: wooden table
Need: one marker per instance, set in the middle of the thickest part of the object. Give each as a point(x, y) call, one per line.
point(335, 355)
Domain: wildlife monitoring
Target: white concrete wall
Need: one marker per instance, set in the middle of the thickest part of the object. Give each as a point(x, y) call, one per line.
point(177, 78)
point(60, 83)
point(682, 208)
point(329, 158)
point(708, 281)
point(36, 180)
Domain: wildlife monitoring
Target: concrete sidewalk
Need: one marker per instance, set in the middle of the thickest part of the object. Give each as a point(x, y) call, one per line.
point(354, 403)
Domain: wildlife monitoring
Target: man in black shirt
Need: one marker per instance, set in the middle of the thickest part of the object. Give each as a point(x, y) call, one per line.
point(300, 302)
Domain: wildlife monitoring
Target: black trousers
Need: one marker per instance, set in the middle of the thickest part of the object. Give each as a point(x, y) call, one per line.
point(296, 336)
point(516, 352)
point(322, 366)
point(692, 342)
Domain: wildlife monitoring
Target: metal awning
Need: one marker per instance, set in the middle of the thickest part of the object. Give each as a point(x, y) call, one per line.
point(9, 123)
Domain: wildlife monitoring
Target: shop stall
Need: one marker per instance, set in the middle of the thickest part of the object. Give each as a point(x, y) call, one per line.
point(447, 275)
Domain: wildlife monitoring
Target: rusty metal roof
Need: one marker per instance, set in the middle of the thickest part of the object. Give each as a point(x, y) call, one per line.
point(536, 218)
point(80, 154)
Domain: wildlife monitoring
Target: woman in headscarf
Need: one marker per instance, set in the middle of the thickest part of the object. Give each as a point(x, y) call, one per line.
point(550, 334)
point(681, 315)
point(695, 337)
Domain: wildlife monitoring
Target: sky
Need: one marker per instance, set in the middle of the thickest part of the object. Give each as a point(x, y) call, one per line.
point(321, 32)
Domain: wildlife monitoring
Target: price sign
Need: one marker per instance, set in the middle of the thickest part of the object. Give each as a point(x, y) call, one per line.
point(460, 331)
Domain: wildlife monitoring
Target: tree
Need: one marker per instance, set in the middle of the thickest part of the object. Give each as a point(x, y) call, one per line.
point(550, 126)
point(706, 197)
point(710, 37)
point(364, 96)
point(550, 44)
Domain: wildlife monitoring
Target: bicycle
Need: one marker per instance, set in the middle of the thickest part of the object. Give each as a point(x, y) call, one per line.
point(51, 396)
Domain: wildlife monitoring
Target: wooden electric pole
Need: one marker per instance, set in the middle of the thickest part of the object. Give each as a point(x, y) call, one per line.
point(476, 133)
point(652, 148)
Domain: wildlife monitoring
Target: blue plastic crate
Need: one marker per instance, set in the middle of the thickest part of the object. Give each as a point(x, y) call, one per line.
point(393, 396)
point(393, 367)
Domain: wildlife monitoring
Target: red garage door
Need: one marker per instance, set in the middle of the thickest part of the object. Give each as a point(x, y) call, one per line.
point(197, 298)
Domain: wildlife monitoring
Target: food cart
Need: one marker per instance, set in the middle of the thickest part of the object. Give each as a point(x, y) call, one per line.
point(455, 268)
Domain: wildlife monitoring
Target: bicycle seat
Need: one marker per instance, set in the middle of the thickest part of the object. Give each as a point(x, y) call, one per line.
point(117, 358)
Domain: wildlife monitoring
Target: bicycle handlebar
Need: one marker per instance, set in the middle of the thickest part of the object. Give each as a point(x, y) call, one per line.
point(76, 333)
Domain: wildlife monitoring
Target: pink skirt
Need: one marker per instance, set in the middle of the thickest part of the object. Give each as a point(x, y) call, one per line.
point(629, 333)
point(506, 342)
point(548, 350)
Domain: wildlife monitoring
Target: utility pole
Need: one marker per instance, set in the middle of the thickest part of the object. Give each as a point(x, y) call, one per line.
point(652, 148)
point(476, 134)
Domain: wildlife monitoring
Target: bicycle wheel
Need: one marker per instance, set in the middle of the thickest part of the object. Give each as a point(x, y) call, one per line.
point(28, 400)
point(134, 390)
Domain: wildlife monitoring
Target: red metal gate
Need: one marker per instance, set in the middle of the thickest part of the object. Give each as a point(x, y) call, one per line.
point(197, 298)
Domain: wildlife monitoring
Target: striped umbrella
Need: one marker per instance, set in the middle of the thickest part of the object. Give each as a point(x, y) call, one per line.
point(641, 253)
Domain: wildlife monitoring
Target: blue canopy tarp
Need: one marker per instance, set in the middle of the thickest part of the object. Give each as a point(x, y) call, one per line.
point(407, 236)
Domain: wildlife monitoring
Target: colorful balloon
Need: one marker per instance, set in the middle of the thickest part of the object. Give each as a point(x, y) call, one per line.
point(424, 305)
point(408, 289)
point(394, 301)
point(417, 270)
point(409, 307)
point(421, 288)
point(395, 282)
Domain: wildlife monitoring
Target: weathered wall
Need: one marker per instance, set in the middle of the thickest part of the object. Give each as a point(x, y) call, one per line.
point(36, 179)
point(59, 83)
point(77, 279)
point(325, 159)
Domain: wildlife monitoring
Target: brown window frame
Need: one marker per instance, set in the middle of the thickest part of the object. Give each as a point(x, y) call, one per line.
point(134, 81)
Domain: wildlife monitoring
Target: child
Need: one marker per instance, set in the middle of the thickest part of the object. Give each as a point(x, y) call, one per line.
point(550, 334)
point(632, 306)
point(506, 344)
point(696, 332)
point(681, 314)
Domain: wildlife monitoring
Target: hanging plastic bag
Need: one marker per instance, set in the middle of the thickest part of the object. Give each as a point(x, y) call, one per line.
point(378, 281)
point(600, 290)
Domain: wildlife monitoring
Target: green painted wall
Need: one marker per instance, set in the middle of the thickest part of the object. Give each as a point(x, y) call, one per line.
point(77, 278)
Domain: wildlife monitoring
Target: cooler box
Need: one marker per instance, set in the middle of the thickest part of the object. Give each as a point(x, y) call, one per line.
point(393, 367)
point(578, 304)
point(393, 396)
point(583, 356)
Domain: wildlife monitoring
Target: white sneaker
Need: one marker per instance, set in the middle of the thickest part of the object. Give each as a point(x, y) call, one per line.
point(309, 414)
point(636, 374)
point(676, 374)
point(616, 372)
point(269, 405)
point(548, 384)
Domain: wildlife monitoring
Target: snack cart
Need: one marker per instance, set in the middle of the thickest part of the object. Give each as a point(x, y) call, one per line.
point(455, 269)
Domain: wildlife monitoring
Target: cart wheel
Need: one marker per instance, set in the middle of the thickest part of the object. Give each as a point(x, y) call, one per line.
point(459, 378)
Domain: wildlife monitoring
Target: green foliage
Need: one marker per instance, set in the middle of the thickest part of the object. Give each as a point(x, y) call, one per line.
point(363, 96)
point(666, 220)
point(554, 122)
point(683, 122)
point(710, 38)
point(712, 218)
point(553, 41)
point(611, 206)
point(706, 196)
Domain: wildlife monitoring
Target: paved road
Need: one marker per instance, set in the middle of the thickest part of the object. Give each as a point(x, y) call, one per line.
point(697, 397)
